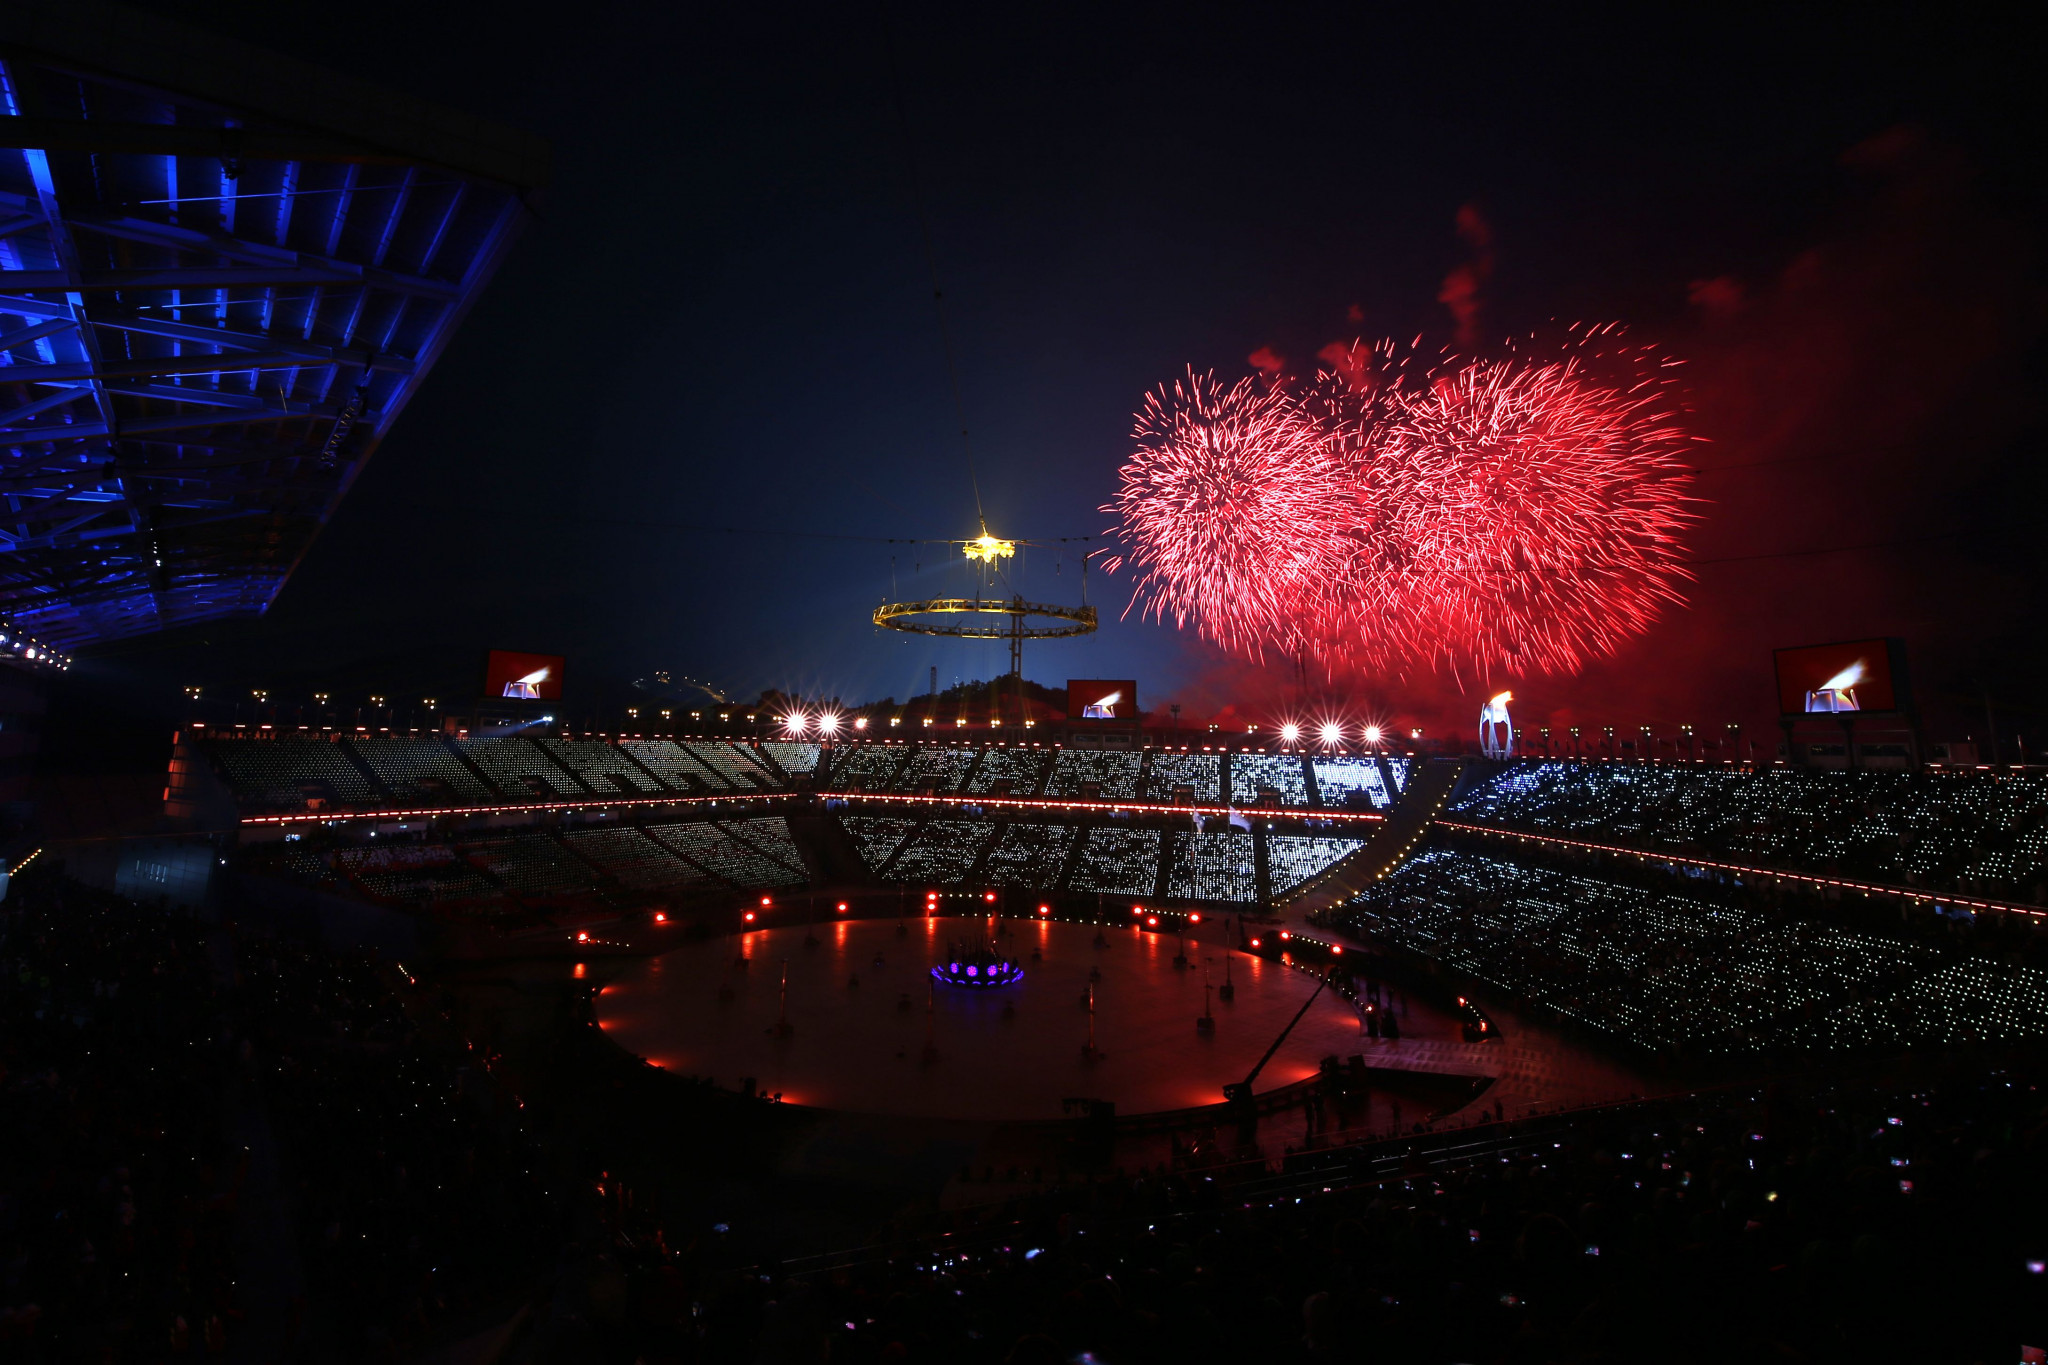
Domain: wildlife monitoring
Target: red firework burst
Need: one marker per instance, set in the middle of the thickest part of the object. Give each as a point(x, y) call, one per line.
point(1230, 506)
point(1512, 515)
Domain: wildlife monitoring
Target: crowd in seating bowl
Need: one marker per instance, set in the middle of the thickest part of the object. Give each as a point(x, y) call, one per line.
point(1213, 866)
point(1168, 772)
point(1703, 964)
point(1865, 1220)
point(1252, 774)
point(1123, 862)
point(1973, 832)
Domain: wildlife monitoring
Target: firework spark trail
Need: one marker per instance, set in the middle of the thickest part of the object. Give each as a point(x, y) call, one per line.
point(1505, 515)
point(1219, 504)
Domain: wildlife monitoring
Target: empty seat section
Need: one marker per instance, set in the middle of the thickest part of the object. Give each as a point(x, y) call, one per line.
point(425, 875)
point(1030, 855)
point(868, 767)
point(792, 756)
point(719, 853)
point(421, 770)
point(735, 765)
point(942, 852)
point(1292, 859)
point(632, 859)
point(673, 764)
point(1213, 867)
point(1020, 768)
point(770, 834)
point(1114, 772)
point(1119, 861)
point(518, 768)
point(1252, 773)
point(532, 867)
point(1351, 782)
point(933, 768)
point(1170, 772)
point(877, 837)
point(601, 767)
point(284, 773)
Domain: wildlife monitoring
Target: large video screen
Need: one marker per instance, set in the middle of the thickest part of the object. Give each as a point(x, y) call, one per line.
point(1856, 675)
point(523, 677)
point(1102, 699)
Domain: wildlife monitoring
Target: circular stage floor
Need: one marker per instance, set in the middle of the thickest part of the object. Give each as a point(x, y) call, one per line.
point(856, 1048)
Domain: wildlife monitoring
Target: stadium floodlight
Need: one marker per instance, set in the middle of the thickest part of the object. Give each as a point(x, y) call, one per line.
point(1333, 733)
point(1290, 732)
point(796, 722)
point(1373, 734)
point(828, 724)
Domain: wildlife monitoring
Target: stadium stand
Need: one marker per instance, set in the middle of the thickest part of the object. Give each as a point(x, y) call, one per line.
point(1252, 773)
point(430, 876)
point(601, 767)
point(1697, 964)
point(518, 768)
point(1030, 855)
point(736, 767)
point(1008, 772)
point(1170, 772)
point(1981, 832)
point(718, 852)
point(673, 764)
point(942, 852)
point(1400, 767)
point(794, 757)
point(1213, 867)
point(1292, 859)
point(1112, 775)
point(532, 867)
point(633, 860)
point(283, 774)
point(1117, 861)
point(868, 767)
point(770, 834)
point(421, 770)
point(1345, 781)
point(934, 769)
point(877, 837)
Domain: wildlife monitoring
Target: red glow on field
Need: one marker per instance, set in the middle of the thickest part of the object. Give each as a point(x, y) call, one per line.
point(1194, 917)
point(842, 907)
point(1151, 921)
point(660, 918)
point(1255, 943)
point(989, 896)
point(750, 917)
point(1045, 909)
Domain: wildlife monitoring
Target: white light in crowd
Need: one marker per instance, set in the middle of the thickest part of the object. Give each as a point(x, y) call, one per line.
point(1332, 733)
point(1290, 732)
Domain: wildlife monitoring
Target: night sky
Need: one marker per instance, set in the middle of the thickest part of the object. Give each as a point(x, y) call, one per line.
point(723, 319)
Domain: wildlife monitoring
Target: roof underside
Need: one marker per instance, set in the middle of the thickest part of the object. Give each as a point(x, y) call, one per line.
point(208, 319)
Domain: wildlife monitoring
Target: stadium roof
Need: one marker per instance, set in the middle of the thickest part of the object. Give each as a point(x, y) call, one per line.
point(222, 274)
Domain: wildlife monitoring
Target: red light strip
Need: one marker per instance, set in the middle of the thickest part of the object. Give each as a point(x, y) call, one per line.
point(595, 803)
point(1880, 888)
point(607, 803)
point(1049, 803)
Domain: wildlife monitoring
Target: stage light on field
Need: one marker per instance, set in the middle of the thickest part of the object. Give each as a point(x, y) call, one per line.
point(989, 896)
point(1045, 909)
point(749, 917)
point(1255, 943)
point(842, 907)
point(1151, 921)
point(660, 918)
point(1194, 917)
point(1285, 934)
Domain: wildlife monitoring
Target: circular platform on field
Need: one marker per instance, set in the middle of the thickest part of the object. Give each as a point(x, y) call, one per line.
point(857, 1048)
